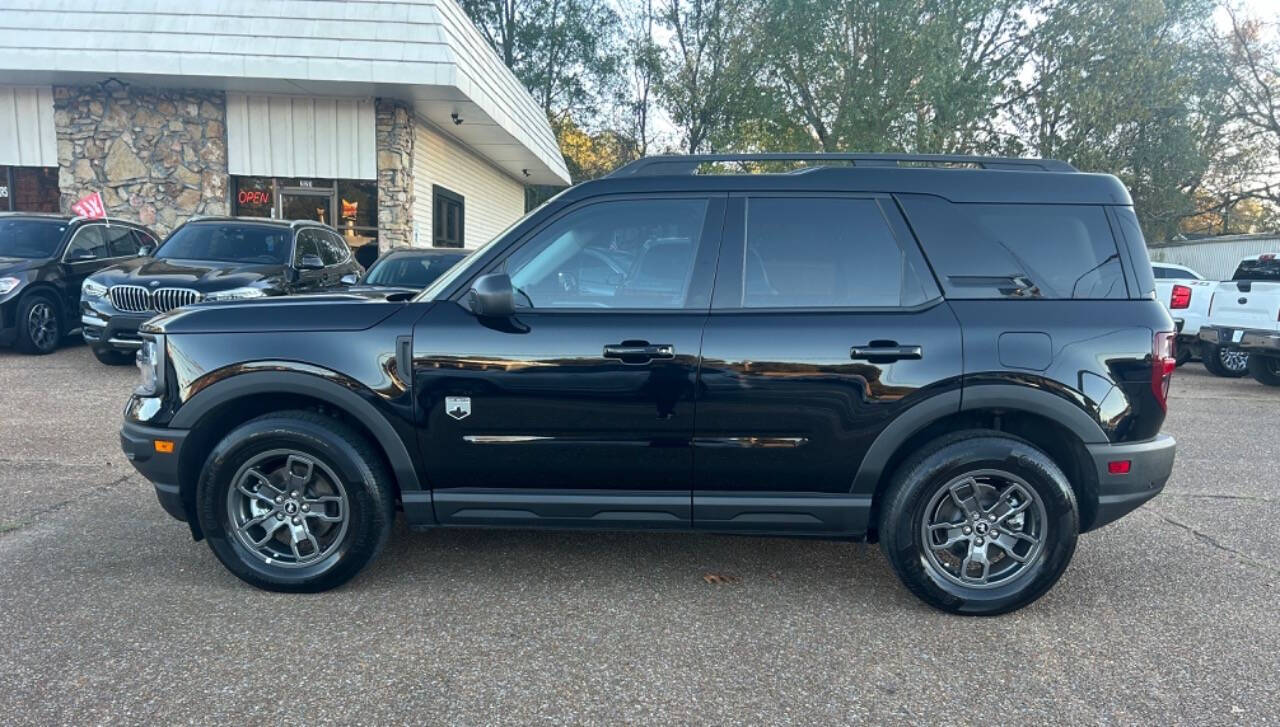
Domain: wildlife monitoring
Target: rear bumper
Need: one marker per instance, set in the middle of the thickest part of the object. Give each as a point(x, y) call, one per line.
point(1251, 339)
point(1150, 464)
point(161, 468)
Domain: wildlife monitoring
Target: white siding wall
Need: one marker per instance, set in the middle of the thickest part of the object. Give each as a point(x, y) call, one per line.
point(301, 136)
point(492, 199)
point(1214, 259)
point(27, 137)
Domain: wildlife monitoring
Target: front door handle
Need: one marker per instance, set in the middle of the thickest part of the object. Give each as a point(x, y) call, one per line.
point(886, 352)
point(639, 351)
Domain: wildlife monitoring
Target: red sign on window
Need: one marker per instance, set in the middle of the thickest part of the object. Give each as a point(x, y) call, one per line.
point(254, 196)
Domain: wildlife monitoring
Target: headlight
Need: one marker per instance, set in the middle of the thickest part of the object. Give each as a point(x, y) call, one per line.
point(92, 289)
point(8, 284)
point(151, 367)
point(236, 294)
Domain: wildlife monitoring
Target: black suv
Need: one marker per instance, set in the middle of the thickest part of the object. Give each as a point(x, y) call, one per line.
point(209, 258)
point(959, 357)
point(43, 259)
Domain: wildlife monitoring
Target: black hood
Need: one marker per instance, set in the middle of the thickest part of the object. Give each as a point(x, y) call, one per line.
point(205, 276)
point(335, 311)
point(13, 265)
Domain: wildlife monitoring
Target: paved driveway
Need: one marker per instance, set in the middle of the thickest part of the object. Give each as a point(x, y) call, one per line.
point(110, 613)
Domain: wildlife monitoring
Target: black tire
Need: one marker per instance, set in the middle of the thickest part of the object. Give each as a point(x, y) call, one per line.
point(924, 478)
point(112, 357)
point(1213, 358)
point(39, 324)
point(1265, 369)
point(1183, 356)
point(333, 448)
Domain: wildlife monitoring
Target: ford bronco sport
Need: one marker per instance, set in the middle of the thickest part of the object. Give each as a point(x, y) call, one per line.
point(961, 358)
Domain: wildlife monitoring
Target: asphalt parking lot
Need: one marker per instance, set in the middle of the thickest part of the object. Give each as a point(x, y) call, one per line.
point(110, 613)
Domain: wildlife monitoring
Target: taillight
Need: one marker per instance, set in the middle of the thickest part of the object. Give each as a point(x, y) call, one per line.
point(1163, 362)
point(1181, 297)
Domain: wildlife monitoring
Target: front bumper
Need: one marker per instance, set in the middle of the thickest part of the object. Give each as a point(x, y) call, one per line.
point(1245, 339)
point(139, 444)
point(105, 328)
point(1150, 464)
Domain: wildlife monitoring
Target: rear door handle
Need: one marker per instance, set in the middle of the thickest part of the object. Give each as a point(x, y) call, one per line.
point(885, 352)
point(639, 351)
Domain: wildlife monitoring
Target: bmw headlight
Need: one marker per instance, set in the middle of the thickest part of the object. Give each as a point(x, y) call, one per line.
point(92, 289)
point(151, 367)
point(8, 284)
point(236, 294)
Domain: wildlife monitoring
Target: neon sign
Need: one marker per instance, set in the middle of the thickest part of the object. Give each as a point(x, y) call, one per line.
point(254, 196)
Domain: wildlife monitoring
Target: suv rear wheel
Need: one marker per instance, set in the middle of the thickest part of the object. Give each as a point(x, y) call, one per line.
point(295, 501)
point(1266, 369)
point(1229, 363)
point(979, 523)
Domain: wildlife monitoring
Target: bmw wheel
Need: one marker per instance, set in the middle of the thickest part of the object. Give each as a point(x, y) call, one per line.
point(39, 325)
point(295, 501)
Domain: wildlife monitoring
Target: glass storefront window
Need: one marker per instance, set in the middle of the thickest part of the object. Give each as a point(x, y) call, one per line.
point(29, 189)
point(349, 205)
point(253, 197)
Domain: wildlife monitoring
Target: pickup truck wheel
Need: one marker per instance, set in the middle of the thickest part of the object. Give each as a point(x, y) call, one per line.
point(979, 523)
point(1266, 369)
point(1229, 363)
point(295, 502)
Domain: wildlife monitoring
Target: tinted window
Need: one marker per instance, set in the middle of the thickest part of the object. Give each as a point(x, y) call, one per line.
point(308, 244)
point(1266, 267)
point(30, 238)
point(230, 242)
point(625, 254)
point(823, 253)
point(1018, 250)
point(145, 240)
point(88, 244)
point(332, 249)
point(410, 271)
point(120, 241)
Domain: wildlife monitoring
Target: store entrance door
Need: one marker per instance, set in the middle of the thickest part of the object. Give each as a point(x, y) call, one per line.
point(306, 204)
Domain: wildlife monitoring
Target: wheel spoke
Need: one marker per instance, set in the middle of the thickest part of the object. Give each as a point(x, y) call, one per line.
point(977, 554)
point(270, 529)
point(320, 508)
point(302, 534)
point(968, 504)
point(264, 492)
point(1019, 536)
point(297, 472)
point(1009, 551)
point(954, 536)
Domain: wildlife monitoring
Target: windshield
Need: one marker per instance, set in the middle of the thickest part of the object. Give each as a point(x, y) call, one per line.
point(1265, 268)
point(411, 271)
point(30, 238)
point(231, 242)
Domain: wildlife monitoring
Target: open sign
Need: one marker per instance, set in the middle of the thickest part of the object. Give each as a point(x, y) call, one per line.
point(254, 196)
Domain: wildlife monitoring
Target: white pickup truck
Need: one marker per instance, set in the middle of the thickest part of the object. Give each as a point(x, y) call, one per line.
point(1244, 316)
point(1186, 294)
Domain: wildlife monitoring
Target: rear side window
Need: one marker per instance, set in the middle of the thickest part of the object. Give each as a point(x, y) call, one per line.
point(823, 253)
point(1018, 250)
point(1265, 268)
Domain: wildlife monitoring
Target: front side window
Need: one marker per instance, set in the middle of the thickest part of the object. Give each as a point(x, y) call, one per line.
point(230, 242)
point(88, 244)
point(623, 254)
point(824, 253)
point(308, 246)
point(30, 238)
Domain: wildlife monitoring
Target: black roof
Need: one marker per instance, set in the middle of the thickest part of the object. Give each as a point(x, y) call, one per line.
point(69, 219)
point(257, 221)
point(958, 179)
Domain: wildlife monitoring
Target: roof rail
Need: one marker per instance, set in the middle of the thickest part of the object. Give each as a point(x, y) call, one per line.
point(688, 164)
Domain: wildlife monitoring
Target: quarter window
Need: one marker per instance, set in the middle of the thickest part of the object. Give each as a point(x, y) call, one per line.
point(308, 244)
point(624, 254)
point(88, 244)
point(120, 241)
point(333, 250)
point(823, 253)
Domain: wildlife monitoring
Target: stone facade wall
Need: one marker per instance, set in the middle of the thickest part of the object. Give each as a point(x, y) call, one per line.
point(158, 156)
point(395, 135)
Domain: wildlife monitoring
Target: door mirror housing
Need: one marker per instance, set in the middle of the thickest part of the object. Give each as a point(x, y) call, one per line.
point(349, 279)
point(311, 262)
point(492, 296)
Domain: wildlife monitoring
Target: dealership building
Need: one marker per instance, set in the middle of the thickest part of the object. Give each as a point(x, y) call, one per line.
point(393, 121)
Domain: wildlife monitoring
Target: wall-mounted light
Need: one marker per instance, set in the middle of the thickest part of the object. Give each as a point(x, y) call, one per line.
point(457, 120)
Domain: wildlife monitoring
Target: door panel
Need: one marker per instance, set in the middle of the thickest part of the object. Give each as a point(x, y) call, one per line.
point(822, 332)
point(579, 410)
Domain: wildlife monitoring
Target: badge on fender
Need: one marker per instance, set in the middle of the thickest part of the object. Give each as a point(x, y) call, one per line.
point(458, 407)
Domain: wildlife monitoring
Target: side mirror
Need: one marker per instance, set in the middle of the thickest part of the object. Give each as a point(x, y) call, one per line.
point(492, 296)
point(311, 262)
point(349, 279)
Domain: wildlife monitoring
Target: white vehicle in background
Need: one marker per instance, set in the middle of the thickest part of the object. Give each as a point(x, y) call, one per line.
point(1186, 294)
point(1244, 316)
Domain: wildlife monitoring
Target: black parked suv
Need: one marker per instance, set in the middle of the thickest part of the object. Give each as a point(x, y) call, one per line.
point(209, 258)
point(961, 358)
point(43, 259)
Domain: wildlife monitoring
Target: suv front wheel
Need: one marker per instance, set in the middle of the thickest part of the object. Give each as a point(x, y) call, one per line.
point(295, 502)
point(979, 523)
